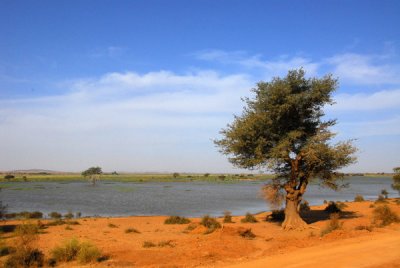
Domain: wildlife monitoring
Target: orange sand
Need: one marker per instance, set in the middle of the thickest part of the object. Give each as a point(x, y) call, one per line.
point(272, 246)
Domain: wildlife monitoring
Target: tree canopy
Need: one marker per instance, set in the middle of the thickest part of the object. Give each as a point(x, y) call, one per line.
point(93, 173)
point(396, 179)
point(282, 129)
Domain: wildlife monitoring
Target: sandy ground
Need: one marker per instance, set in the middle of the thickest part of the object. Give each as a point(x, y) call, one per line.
point(272, 247)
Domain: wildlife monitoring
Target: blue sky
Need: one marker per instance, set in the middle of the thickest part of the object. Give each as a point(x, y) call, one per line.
point(147, 85)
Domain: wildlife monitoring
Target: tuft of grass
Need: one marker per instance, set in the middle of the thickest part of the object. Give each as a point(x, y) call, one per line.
point(359, 198)
point(383, 216)
point(167, 243)
point(247, 233)
point(369, 228)
point(210, 223)
point(332, 225)
point(190, 227)
point(131, 230)
point(148, 244)
point(227, 217)
point(249, 218)
point(111, 225)
point(176, 220)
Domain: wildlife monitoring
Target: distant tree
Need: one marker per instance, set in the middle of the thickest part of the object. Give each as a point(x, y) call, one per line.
point(175, 174)
point(385, 193)
point(282, 130)
point(93, 174)
point(9, 176)
point(206, 174)
point(396, 179)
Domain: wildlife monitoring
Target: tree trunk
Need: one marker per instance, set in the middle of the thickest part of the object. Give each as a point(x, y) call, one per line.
point(293, 221)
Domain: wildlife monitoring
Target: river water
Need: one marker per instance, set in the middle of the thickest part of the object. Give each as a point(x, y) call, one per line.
point(189, 199)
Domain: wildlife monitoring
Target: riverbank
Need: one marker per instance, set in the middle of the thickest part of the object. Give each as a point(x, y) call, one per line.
point(356, 243)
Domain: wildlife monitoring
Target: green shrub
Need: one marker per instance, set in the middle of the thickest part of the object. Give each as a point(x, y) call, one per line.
point(333, 224)
point(227, 217)
point(249, 218)
point(383, 215)
point(176, 220)
point(210, 223)
point(359, 198)
point(247, 233)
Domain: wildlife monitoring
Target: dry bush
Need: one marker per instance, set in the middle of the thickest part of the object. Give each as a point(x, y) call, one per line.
point(369, 228)
point(211, 223)
point(335, 207)
point(72, 249)
point(333, 224)
point(273, 194)
point(249, 218)
point(383, 215)
point(176, 220)
point(359, 198)
point(246, 233)
point(131, 230)
point(148, 244)
point(227, 217)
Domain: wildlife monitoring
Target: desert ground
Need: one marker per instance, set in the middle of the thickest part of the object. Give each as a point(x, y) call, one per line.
point(357, 243)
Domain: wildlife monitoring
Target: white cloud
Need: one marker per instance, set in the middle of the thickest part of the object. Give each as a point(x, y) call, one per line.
point(364, 69)
point(379, 100)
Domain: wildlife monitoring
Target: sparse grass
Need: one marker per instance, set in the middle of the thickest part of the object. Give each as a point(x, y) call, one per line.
point(383, 216)
point(227, 217)
point(69, 228)
point(369, 228)
point(72, 249)
point(210, 223)
point(111, 225)
point(333, 224)
point(176, 220)
point(148, 244)
point(247, 233)
point(190, 227)
point(359, 198)
point(249, 218)
point(167, 243)
point(131, 230)
point(28, 258)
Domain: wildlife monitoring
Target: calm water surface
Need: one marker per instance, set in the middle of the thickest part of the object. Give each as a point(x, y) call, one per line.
point(170, 198)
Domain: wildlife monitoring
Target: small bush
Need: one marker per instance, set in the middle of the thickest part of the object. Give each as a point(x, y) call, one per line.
point(131, 230)
point(176, 220)
point(227, 217)
point(69, 215)
point(78, 215)
point(28, 258)
point(168, 243)
point(385, 193)
point(276, 216)
point(190, 227)
point(88, 253)
point(364, 227)
point(359, 198)
point(334, 207)
point(247, 233)
point(111, 225)
point(70, 250)
point(332, 225)
point(211, 223)
point(56, 222)
point(4, 250)
point(325, 201)
point(9, 176)
point(304, 206)
point(381, 200)
point(55, 215)
point(148, 244)
point(383, 215)
point(249, 218)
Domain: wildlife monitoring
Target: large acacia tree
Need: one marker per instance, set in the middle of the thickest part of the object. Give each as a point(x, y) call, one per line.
point(282, 129)
point(93, 173)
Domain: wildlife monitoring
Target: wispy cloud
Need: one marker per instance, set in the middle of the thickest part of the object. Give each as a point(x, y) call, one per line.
point(109, 52)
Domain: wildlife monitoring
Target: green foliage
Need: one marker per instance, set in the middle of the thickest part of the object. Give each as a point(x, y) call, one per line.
point(93, 173)
point(396, 179)
point(210, 223)
point(359, 198)
point(333, 224)
point(227, 217)
point(176, 220)
point(282, 129)
point(249, 218)
point(383, 215)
